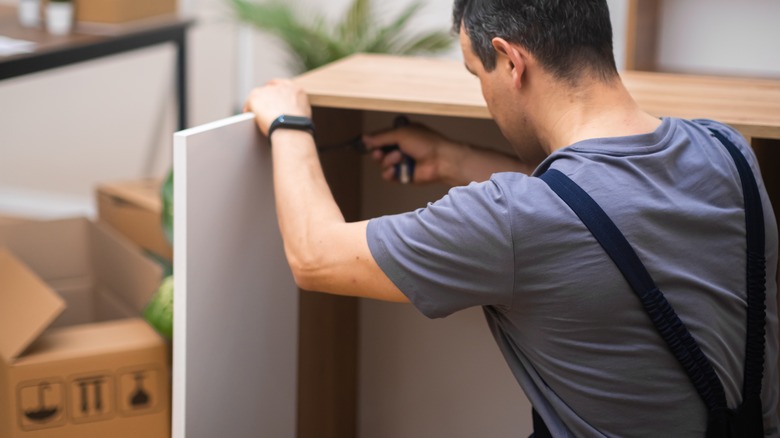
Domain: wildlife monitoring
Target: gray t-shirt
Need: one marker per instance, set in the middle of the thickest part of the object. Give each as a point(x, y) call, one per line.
point(570, 328)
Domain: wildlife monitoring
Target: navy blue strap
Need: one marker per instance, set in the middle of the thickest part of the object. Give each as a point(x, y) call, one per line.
point(748, 417)
point(756, 273)
point(756, 293)
point(540, 428)
point(672, 330)
point(746, 420)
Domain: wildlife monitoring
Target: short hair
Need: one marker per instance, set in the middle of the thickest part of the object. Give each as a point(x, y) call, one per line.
point(567, 37)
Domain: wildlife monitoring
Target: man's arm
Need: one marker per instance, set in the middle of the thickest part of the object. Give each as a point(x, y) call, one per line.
point(324, 252)
point(440, 159)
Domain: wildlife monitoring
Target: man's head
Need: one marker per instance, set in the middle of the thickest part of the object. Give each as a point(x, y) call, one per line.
point(534, 55)
point(568, 38)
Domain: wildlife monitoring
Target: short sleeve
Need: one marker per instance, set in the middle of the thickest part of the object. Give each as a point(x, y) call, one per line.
point(454, 254)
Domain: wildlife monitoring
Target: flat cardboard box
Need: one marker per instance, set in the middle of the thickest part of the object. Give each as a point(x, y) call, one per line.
point(121, 11)
point(134, 208)
point(75, 359)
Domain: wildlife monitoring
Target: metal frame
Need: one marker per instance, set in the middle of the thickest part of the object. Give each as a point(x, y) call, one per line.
point(174, 32)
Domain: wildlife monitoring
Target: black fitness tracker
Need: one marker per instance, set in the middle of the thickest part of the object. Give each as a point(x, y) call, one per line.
point(291, 122)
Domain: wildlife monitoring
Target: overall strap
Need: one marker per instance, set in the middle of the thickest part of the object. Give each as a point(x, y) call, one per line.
point(672, 330)
point(747, 419)
point(756, 290)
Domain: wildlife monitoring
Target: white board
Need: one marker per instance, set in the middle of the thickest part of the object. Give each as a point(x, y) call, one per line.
point(235, 302)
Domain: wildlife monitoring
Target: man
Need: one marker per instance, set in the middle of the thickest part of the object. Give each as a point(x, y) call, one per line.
point(573, 332)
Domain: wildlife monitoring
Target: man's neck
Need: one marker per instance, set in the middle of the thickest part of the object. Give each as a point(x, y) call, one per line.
point(594, 109)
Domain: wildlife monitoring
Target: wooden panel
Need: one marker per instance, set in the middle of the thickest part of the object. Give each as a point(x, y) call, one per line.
point(750, 105)
point(397, 84)
point(443, 87)
point(327, 374)
point(768, 155)
point(642, 34)
point(327, 367)
point(235, 301)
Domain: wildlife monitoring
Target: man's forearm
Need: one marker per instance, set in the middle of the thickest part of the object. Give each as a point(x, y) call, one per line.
point(462, 164)
point(304, 203)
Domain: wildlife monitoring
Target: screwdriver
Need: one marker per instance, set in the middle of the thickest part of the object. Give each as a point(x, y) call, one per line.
point(404, 171)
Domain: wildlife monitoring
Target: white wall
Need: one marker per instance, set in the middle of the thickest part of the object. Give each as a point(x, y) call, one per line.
point(723, 37)
point(618, 11)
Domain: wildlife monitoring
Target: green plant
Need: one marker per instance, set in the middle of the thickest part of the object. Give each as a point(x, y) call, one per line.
point(159, 311)
point(312, 42)
point(166, 192)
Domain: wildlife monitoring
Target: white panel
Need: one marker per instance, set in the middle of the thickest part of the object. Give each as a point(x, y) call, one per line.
point(235, 302)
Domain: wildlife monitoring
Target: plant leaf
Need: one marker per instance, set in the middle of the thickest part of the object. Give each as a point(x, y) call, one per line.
point(357, 21)
point(383, 41)
point(433, 42)
point(313, 43)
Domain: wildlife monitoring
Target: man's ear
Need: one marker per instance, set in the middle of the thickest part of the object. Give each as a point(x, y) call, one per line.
point(512, 59)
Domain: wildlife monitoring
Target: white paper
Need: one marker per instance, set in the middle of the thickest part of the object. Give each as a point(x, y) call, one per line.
point(11, 46)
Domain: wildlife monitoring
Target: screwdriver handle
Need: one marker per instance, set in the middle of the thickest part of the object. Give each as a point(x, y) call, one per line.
point(404, 171)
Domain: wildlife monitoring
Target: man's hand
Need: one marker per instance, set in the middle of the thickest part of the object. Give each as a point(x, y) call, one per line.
point(431, 151)
point(439, 159)
point(277, 97)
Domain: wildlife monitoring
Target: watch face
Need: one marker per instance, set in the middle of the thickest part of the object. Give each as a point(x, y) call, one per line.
point(292, 122)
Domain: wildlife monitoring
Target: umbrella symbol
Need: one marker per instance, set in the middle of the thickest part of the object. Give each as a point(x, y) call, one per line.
point(43, 413)
point(140, 398)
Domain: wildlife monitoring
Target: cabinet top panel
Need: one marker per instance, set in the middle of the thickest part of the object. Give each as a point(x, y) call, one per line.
point(397, 84)
point(444, 87)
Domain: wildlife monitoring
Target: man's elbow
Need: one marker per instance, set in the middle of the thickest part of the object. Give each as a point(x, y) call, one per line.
point(305, 271)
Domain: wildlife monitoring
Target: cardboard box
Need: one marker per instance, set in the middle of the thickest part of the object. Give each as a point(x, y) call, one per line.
point(121, 11)
point(75, 360)
point(6, 219)
point(134, 208)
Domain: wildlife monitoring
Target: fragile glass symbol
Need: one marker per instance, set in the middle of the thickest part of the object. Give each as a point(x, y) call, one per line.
point(43, 413)
point(140, 398)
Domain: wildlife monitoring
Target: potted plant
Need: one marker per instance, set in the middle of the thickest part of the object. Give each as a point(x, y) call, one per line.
point(59, 17)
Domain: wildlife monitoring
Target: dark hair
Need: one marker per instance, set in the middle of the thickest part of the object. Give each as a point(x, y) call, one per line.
point(567, 37)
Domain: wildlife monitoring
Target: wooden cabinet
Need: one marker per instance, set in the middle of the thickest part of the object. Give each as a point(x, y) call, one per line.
point(236, 334)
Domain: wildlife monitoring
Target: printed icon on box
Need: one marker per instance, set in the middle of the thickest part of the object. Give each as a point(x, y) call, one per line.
point(140, 398)
point(91, 398)
point(138, 390)
point(41, 404)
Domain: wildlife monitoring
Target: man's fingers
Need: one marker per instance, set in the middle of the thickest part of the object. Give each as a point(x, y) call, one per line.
point(391, 159)
point(380, 139)
point(388, 174)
